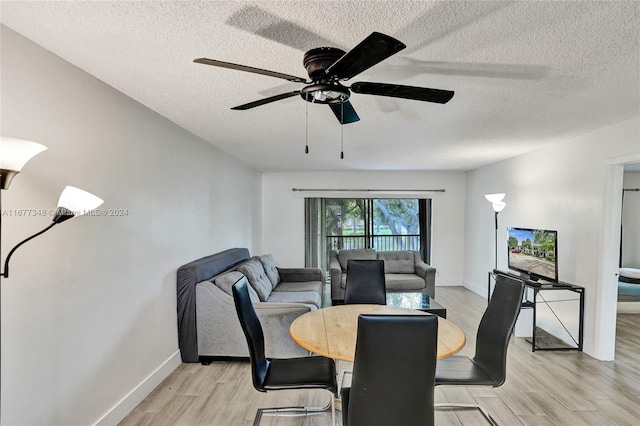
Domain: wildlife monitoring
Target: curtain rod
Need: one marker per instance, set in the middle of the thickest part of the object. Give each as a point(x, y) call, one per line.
point(365, 190)
point(632, 189)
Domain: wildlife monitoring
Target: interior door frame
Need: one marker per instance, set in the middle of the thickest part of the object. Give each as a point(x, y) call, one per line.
point(609, 249)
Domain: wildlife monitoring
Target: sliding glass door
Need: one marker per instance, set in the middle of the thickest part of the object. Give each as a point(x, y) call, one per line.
point(356, 223)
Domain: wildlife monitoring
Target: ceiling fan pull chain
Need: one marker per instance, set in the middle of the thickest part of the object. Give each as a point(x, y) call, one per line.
point(342, 131)
point(306, 130)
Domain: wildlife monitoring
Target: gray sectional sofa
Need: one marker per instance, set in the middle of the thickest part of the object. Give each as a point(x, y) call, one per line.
point(404, 271)
point(208, 326)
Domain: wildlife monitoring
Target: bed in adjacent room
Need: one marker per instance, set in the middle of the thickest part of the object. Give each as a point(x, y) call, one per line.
point(629, 290)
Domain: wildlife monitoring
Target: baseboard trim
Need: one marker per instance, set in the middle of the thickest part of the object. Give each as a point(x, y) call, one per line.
point(448, 283)
point(140, 392)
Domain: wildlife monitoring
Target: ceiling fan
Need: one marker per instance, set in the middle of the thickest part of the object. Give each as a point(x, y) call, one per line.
point(328, 66)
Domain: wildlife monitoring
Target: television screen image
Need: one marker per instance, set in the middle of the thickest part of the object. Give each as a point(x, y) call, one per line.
point(533, 251)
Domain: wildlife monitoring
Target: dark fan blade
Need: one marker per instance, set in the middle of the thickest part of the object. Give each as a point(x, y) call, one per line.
point(406, 92)
point(345, 113)
point(266, 100)
point(249, 69)
point(373, 49)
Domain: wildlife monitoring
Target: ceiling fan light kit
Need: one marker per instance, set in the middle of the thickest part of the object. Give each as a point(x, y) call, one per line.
point(323, 93)
point(328, 66)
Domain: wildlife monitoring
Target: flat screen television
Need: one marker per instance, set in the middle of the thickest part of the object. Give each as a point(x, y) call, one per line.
point(534, 252)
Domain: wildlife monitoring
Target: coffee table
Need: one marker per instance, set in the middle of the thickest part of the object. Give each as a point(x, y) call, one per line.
point(419, 301)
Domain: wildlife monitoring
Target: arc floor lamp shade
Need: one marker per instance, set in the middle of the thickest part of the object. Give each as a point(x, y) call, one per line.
point(75, 202)
point(14, 154)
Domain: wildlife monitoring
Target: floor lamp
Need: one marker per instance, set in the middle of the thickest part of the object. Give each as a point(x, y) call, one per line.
point(14, 154)
point(498, 205)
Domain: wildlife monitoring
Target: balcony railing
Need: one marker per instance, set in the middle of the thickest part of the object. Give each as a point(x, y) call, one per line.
point(378, 242)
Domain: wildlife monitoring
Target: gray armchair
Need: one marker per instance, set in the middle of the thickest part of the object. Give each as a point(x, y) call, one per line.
point(404, 271)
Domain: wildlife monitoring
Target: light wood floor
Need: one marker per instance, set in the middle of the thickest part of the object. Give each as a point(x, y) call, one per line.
point(542, 388)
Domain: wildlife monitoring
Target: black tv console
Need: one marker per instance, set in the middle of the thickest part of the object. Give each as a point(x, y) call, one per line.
point(533, 298)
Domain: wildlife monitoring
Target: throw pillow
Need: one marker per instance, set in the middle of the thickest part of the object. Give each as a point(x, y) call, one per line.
point(270, 269)
point(227, 280)
point(254, 271)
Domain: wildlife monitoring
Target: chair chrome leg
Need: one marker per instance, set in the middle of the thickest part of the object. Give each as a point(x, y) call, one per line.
point(333, 410)
point(484, 412)
point(341, 376)
point(299, 411)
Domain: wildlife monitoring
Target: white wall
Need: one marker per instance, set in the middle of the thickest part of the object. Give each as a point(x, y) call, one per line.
point(283, 212)
point(89, 309)
point(560, 186)
point(631, 223)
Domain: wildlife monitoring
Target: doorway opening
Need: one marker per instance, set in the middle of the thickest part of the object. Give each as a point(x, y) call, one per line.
point(606, 303)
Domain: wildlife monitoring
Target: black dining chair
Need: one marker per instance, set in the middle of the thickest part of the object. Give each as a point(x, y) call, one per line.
point(393, 372)
point(365, 282)
point(315, 372)
point(365, 285)
point(488, 367)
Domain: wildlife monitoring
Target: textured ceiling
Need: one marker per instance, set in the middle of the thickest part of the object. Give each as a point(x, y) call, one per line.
point(525, 73)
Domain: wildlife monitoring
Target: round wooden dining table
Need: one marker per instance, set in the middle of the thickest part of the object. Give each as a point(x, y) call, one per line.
point(332, 331)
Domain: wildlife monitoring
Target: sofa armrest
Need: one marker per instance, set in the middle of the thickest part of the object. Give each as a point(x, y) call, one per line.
point(335, 272)
point(300, 274)
point(334, 263)
point(422, 269)
point(428, 273)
